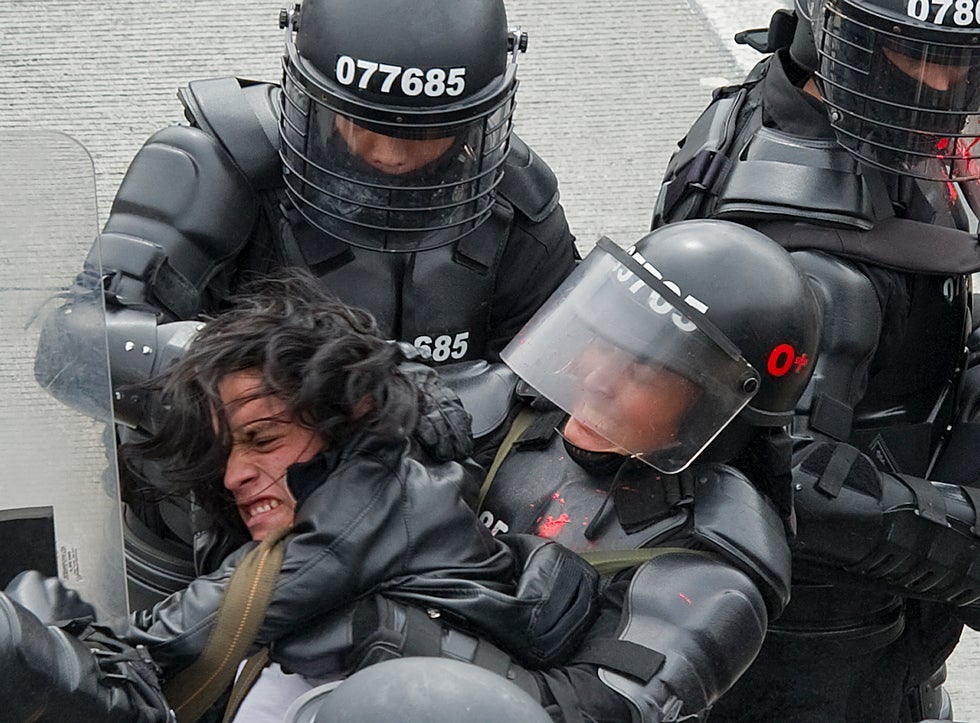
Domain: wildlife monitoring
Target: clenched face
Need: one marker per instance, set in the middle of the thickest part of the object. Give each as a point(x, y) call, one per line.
point(640, 405)
point(265, 442)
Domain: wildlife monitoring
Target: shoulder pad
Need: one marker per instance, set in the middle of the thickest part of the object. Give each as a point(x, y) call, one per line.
point(243, 116)
point(811, 179)
point(700, 160)
point(717, 168)
point(528, 182)
point(733, 518)
point(182, 208)
point(848, 341)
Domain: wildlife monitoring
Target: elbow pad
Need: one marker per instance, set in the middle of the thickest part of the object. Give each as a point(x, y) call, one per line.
point(140, 348)
point(707, 621)
point(898, 533)
point(71, 362)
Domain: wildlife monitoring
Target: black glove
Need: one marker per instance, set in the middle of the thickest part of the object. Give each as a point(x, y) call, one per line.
point(48, 598)
point(78, 673)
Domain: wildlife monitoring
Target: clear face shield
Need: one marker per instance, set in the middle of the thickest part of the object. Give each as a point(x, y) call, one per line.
point(632, 363)
point(900, 103)
point(382, 180)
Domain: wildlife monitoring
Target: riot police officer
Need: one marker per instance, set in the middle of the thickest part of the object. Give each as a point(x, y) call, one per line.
point(385, 163)
point(653, 443)
point(861, 108)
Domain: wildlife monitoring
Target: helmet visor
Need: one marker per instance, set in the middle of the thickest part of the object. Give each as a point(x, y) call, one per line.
point(631, 362)
point(389, 181)
point(897, 102)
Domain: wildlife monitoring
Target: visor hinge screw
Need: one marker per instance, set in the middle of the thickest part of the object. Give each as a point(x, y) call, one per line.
point(289, 17)
point(517, 41)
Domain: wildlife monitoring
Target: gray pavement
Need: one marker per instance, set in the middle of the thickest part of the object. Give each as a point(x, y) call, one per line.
point(607, 90)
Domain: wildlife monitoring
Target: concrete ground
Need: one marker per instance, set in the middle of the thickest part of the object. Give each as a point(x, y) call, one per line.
point(607, 90)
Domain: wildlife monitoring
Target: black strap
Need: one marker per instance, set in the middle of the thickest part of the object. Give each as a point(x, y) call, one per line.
point(622, 656)
point(423, 635)
point(835, 473)
point(565, 698)
point(832, 417)
point(894, 243)
point(541, 429)
point(700, 175)
point(490, 657)
point(929, 501)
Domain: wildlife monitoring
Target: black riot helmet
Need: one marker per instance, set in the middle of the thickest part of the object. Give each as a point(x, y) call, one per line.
point(658, 348)
point(901, 81)
point(396, 116)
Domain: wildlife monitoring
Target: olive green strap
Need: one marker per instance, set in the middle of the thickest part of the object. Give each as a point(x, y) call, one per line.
point(243, 683)
point(521, 422)
point(197, 687)
point(609, 562)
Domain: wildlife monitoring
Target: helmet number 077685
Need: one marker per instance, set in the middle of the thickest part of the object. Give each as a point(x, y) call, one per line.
point(394, 79)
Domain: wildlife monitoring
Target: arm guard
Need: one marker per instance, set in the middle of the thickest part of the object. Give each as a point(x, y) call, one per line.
point(898, 533)
point(734, 520)
point(71, 355)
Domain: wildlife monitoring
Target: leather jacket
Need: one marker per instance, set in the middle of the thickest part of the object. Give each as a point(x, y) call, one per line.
point(375, 517)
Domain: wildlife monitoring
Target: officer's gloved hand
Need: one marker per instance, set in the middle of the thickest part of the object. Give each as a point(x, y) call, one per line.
point(444, 427)
point(79, 672)
point(48, 598)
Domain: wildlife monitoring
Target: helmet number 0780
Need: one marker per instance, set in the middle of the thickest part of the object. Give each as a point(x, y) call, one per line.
point(961, 12)
point(394, 79)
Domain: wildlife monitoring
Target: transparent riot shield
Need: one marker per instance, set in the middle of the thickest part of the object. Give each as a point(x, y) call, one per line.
point(59, 507)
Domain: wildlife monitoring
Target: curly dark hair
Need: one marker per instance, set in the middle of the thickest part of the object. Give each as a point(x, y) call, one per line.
point(326, 361)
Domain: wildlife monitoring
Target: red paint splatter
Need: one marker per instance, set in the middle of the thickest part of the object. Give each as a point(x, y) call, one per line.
point(551, 526)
